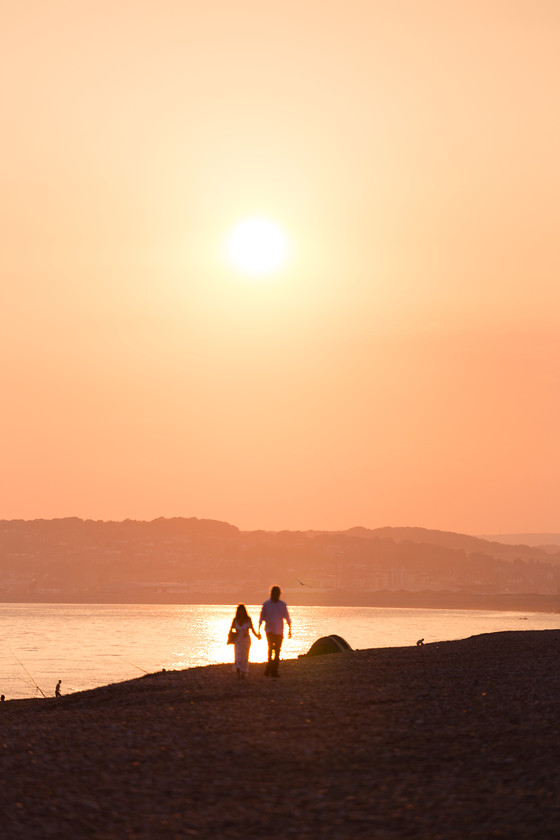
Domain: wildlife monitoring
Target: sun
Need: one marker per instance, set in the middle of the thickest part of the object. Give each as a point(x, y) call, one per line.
point(258, 246)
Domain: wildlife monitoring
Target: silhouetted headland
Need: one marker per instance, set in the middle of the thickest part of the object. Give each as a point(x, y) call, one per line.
point(453, 740)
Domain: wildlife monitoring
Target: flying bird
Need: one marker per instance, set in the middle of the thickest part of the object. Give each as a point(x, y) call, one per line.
point(301, 583)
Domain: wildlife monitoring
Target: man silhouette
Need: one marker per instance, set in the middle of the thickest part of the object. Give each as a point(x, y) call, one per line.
point(274, 613)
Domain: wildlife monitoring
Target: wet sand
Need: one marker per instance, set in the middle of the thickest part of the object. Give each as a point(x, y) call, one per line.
point(448, 740)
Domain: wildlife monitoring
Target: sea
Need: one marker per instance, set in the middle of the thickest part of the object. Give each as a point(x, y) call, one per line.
point(90, 645)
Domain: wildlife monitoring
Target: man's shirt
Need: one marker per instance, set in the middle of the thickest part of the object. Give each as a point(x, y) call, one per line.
point(273, 614)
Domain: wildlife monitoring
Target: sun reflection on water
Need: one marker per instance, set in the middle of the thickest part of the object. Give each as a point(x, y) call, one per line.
point(88, 645)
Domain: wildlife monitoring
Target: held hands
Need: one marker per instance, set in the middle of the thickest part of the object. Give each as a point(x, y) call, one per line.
point(289, 632)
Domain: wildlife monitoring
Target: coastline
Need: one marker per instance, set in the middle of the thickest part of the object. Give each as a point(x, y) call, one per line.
point(452, 739)
point(402, 599)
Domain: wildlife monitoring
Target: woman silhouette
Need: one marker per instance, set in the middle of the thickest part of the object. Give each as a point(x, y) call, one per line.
point(242, 626)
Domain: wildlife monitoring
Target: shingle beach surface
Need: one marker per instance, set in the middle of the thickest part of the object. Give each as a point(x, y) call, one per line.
point(449, 740)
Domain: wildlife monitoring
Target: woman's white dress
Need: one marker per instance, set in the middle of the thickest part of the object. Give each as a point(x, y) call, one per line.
point(242, 646)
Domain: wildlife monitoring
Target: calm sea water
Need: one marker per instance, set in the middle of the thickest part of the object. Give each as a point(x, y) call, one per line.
point(87, 645)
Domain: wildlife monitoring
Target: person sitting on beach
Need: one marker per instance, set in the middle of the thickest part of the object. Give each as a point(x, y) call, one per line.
point(242, 626)
point(274, 612)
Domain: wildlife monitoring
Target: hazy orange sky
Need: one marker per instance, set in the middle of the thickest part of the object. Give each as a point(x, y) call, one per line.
point(402, 368)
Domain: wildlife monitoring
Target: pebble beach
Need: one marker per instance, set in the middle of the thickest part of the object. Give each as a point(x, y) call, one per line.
point(447, 740)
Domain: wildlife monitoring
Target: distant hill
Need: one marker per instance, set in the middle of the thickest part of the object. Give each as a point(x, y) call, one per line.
point(190, 560)
point(546, 541)
point(449, 539)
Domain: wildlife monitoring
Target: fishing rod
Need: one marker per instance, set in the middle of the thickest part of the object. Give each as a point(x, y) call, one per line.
point(22, 679)
point(27, 672)
point(132, 663)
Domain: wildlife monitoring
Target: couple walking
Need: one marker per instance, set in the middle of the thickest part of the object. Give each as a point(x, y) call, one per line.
point(273, 614)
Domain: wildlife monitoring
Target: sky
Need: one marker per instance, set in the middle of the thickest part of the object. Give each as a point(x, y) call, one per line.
point(401, 366)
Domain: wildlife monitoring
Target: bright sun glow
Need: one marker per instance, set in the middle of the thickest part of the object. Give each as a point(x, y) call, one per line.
point(258, 246)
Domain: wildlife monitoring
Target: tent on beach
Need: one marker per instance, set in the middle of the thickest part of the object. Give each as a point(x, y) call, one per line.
point(328, 644)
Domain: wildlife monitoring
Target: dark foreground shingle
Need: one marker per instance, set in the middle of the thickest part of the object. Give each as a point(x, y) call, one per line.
point(450, 740)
